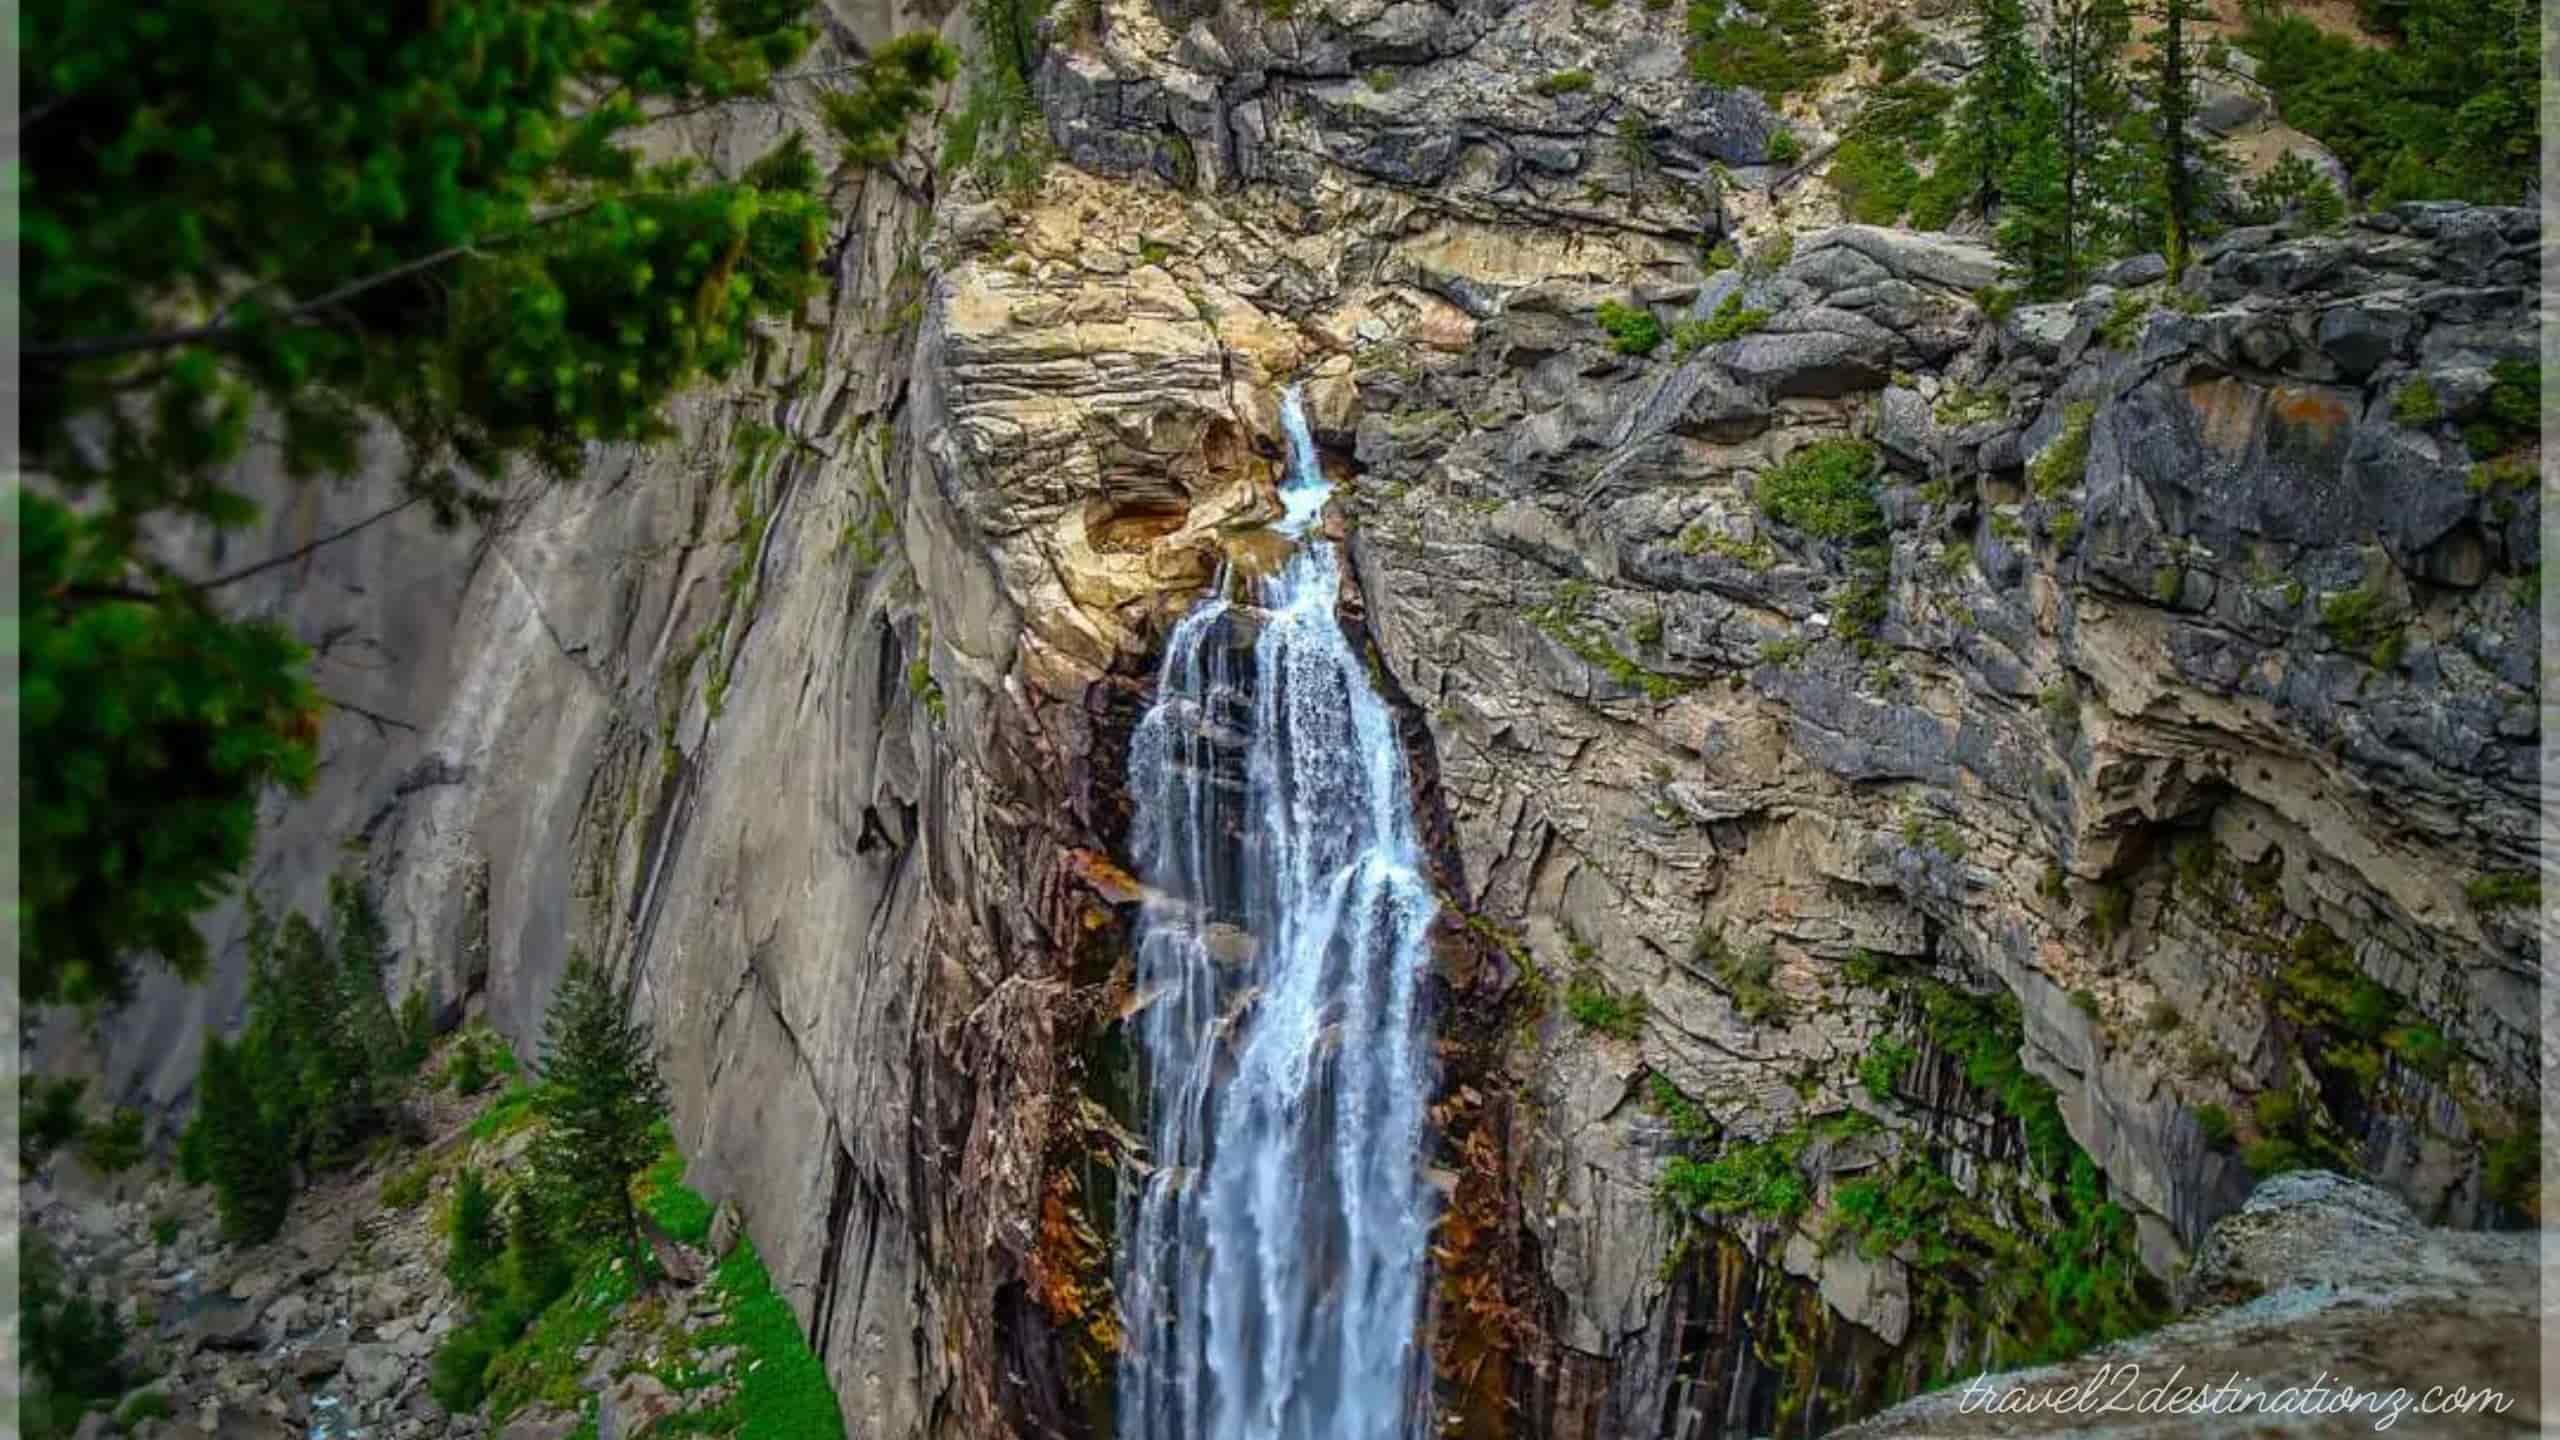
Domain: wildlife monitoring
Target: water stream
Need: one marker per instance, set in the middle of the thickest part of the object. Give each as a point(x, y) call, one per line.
point(1272, 1267)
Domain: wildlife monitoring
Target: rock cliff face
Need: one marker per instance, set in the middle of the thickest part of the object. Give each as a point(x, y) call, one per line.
point(2158, 729)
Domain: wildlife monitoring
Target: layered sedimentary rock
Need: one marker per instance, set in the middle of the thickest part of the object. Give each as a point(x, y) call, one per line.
point(2184, 697)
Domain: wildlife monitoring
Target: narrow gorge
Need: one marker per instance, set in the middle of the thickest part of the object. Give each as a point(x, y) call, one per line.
point(1239, 811)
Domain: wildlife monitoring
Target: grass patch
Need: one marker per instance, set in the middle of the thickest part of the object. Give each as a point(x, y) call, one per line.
point(2417, 404)
point(511, 1112)
point(676, 1207)
point(2504, 890)
point(783, 1392)
point(1565, 82)
point(1591, 1004)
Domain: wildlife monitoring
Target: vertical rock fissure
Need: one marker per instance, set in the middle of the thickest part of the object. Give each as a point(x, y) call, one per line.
point(1273, 1255)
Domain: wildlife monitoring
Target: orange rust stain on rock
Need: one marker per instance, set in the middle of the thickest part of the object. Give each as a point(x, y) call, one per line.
point(2229, 409)
point(2314, 408)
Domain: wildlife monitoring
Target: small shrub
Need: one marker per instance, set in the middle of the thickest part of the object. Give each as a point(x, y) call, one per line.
point(152, 1404)
point(1827, 490)
point(1565, 82)
point(2166, 582)
point(2123, 326)
point(1731, 321)
point(1632, 328)
point(458, 1376)
point(2086, 1002)
point(2060, 705)
point(164, 1230)
point(1593, 1006)
point(2215, 1122)
point(468, 1071)
point(1723, 257)
point(1999, 301)
point(2416, 404)
point(1784, 148)
point(2062, 525)
point(1381, 79)
point(114, 1145)
point(471, 1231)
point(2162, 1016)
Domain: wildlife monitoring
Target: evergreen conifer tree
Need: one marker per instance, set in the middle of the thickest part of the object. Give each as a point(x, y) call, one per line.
point(243, 1155)
point(2082, 54)
point(1996, 108)
point(471, 1232)
point(2184, 166)
point(602, 1099)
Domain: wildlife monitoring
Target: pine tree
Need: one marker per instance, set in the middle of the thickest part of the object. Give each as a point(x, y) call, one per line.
point(2181, 158)
point(243, 1155)
point(437, 223)
point(536, 1265)
point(602, 1099)
point(1996, 107)
point(471, 1232)
point(2089, 101)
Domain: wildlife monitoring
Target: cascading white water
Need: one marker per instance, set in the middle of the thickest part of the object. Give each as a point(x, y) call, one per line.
point(1272, 1262)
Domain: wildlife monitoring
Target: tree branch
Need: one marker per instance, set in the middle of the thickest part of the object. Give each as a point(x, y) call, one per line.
point(217, 329)
point(290, 556)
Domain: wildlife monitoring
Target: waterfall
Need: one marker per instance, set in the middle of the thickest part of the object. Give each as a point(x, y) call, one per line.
point(1272, 1260)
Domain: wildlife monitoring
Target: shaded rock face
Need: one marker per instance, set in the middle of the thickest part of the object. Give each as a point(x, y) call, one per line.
point(813, 722)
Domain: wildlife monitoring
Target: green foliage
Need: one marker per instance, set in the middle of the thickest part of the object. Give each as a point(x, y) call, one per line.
point(113, 1145)
point(70, 1345)
point(783, 1391)
point(48, 1117)
point(1776, 47)
point(673, 1206)
point(1998, 301)
point(1731, 321)
point(1689, 1123)
point(407, 1189)
point(2416, 404)
point(2511, 1167)
point(255, 223)
point(997, 129)
point(1591, 1004)
point(314, 1077)
point(1783, 147)
point(2063, 463)
point(2447, 113)
point(1882, 1065)
point(2294, 189)
point(2181, 167)
point(468, 1071)
point(1757, 1179)
point(2125, 319)
point(2162, 1016)
point(417, 1029)
point(1827, 489)
point(471, 1231)
point(2509, 413)
point(602, 1100)
point(2215, 1124)
point(2359, 620)
point(245, 1157)
point(144, 1405)
point(1632, 328)
point(2504, 890)
point(164, 1230)
point(1748, 975)
point(521, 1105)
point(1565, 82)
